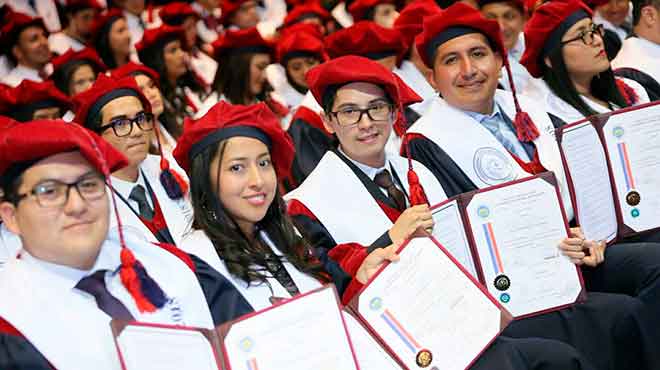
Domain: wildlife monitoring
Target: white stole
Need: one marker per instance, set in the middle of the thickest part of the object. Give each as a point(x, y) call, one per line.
point(341, 202)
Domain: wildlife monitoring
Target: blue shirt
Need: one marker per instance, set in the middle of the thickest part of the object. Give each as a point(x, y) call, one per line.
point(502, 128)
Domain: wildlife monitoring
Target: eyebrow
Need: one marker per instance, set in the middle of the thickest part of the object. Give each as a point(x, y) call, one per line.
point(246, 158)
point(350, 104)
point(125, 116)
point(86, 174)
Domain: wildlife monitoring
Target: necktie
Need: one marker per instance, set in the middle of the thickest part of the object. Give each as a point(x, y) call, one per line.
point(384, 180)
point(95, 285)
point(138, 194)
point(493, 125)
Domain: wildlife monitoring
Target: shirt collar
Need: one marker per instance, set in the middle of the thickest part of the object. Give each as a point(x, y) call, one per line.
point(125, 187)
point(27, 72)
point(480, 117)
point(518, 49)
point(371, 172)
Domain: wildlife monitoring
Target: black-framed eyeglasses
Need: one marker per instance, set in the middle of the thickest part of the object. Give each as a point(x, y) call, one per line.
point(377, 112)
point(587, 36)
point(54, 193)
point(124, 126)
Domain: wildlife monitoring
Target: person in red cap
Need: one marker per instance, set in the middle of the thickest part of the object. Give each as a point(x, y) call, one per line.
point(641, 51)
point(311, 12)
point(565, 48)
point(47, 10)
point(152, 194)
point(134, 11)
point(76, 71)
point(111, 38)
point(180, 14)
point(148, 81)
point(382, 12)
point(164, 50)
point(72, 276)
point(245, 14)
point(478, 136)
point(26, 41)
point(235, 156)
point(614, 15)
point(33, 100)
point(78, 26)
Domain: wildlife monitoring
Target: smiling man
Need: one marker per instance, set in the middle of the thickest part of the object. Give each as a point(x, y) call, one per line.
point(152, 201)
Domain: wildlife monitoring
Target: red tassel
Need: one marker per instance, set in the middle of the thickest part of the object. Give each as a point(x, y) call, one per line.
point(131, 281)
point(417, 193)
point(525, 128)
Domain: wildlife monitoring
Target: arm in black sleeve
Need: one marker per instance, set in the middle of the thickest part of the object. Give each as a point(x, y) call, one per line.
point(310, 144)
point(17, 353)
point(651, 86)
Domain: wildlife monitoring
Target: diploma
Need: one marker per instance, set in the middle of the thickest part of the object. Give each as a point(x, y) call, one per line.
point(370, 354)
point(303, 333)
point(428, 311)
point(516, 228)
point(632, 140)
point(585, 163)
point(151, 346)
point(449, 231)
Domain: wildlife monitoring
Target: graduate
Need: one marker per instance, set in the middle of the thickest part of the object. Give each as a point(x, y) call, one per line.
point(25, 39)
point(70, 279)
point(311, 12)
point(234, 156)
point(33, 100)
point(641, 51)
point(76, 71)
point(151, 192)
point(382, 12)
point(111, 38)
point(266, 15)
point(478, 137)
point(136, 18)
point(565, 47)
point(76, 34)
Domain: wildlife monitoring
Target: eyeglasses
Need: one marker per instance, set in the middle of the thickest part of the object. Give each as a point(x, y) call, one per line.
point(587, 36)
point(124, 126)
point(53, 193)
point(377, 112)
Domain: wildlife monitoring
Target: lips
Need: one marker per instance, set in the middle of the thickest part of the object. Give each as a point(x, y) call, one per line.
point(368, 139)
point(256, 200)
point(78, 225)
point(136, 145)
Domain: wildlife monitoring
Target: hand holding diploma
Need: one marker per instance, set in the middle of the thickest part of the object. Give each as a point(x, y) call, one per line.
point(413, 222)
point(375, 260)
point(582, 251)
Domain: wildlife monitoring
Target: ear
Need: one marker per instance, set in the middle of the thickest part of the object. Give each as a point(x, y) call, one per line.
point(327, 123)
point(431, 78)
point(8, 216)
point(18, 53)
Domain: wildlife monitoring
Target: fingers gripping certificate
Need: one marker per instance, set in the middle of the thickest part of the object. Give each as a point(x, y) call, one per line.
point(516, 230)
point(304, 333)
point(428, 311)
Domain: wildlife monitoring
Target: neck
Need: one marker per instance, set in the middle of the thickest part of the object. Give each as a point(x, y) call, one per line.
point(120, 59)
point(373, 162)
point(73, 34)
point(644, 33)
point(583, 84)
point(248, 229)
point(172, 80)
point(129, 173)
point(34, 66)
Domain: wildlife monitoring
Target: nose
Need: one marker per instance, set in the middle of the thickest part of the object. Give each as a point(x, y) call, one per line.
point(467, 68)
point(256, 179)
point(75, 204)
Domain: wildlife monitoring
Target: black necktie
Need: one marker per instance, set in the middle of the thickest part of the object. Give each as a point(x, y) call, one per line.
point(138, 194)
point(95, 285)
point(384, 180)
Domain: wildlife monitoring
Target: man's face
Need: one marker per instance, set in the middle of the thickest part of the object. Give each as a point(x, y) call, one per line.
point(246, 16)
point(82, 21)
point(509, 17)
point(134, 146)
point(31, 48)
point(385, 15)
point(297, 69)
point(47, 113)
point(615, 11)
point(364, 141)
point(69, 235)
point(466, 71)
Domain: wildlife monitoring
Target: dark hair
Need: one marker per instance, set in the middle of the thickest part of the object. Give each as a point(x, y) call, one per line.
point(102, 44)
point(232, 246)
point(62, 76)
point(232, 79)
point(637, 8)
point(9, 187)
point(603, 86)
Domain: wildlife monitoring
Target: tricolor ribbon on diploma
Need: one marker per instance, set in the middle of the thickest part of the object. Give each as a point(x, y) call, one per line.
point(492, 248)
point(252, 364)
point(625, 164)
point(396, 326)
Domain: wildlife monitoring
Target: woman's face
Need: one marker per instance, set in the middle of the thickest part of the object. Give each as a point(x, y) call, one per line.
point(120, 38)
point(151, 91)
point(298, 67)
point(81, 79)
point(257, 77)
point(245, 180)
point(385, 15)
point(175, 62)
point(190, 29)
point(584, 60)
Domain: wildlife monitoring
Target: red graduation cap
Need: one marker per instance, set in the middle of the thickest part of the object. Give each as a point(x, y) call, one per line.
point(226, 120)
point(366, 39)
point(460, 19)
point(544, 21)
point(132, 69)
point(409, 22)
point(354, 68)
point(247, 40)
point(153, 37)
point(87, 54)
point(306, 10)
point(16, 23)
point(6, 122)
point(89, 103)
point(175, 13)
point(359, 8)
point(30, 95)
point(104, 20)
point(35, 140)
point(83, 4)
point(301, 38)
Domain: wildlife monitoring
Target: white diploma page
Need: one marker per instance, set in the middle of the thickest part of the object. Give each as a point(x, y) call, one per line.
point(370, 354)
point(428, 311)
point(586, 162)
point(632, 139)
point(145, 346)
point(517, 229)
point(304, 333)
point(449, 231)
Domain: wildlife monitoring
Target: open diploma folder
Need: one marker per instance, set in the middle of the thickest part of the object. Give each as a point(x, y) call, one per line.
point(612, 162)
point(508, 236)
point(427, 311)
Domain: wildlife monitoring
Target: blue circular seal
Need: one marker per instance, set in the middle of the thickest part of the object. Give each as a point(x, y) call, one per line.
point(618, 132)
point(505, 297)
point(492, 166)
point(376, 303)
point(483, 211)
point(246, 344)
point(634, 212)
